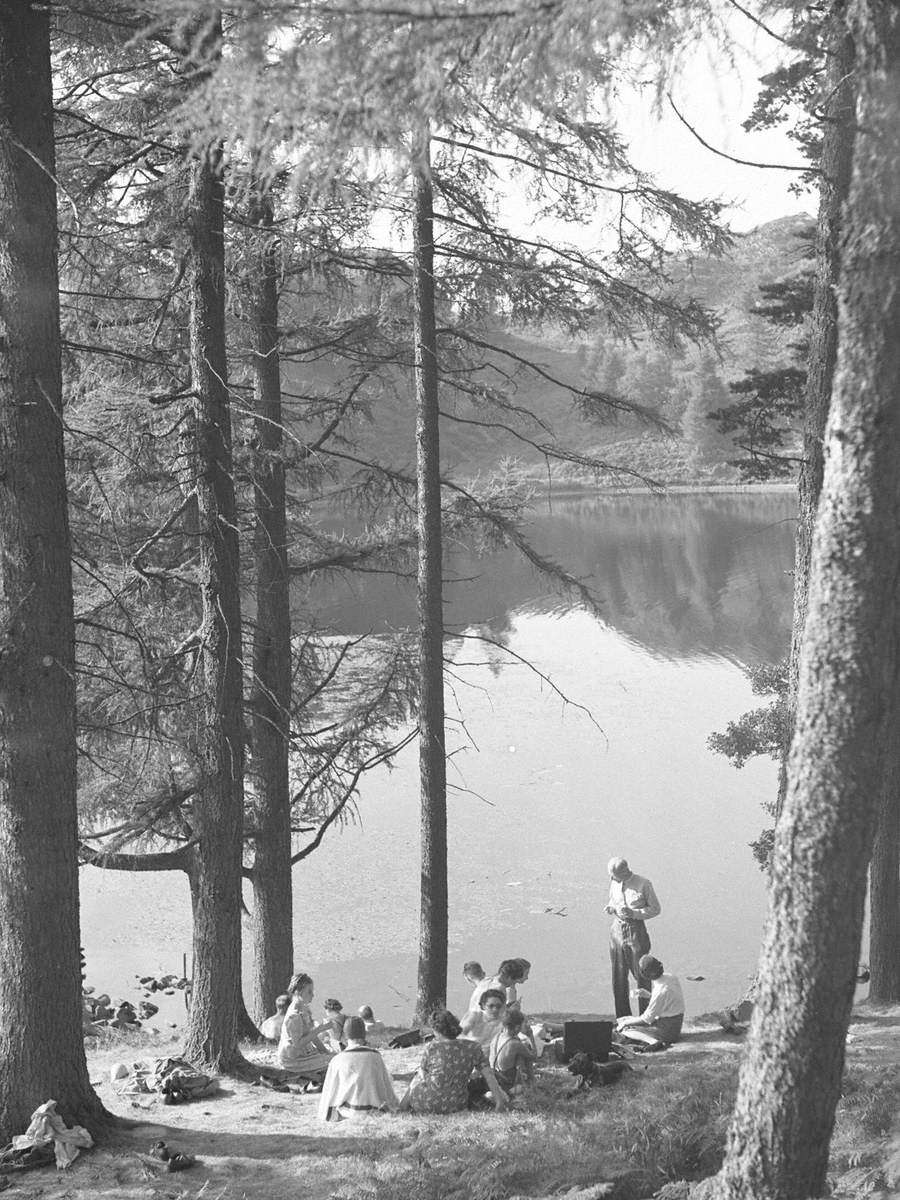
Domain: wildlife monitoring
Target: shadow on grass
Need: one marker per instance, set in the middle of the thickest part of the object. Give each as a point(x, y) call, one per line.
point(229, 1144)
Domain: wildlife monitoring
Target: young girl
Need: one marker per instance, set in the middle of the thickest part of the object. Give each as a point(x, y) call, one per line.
point(300, 1048)
point(335, 1015)
point(511, 1057)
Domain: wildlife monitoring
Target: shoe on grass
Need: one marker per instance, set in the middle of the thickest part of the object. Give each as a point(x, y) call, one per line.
point(181, 1162)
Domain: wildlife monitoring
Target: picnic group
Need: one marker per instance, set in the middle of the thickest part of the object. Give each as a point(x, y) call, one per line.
point(488, 1055)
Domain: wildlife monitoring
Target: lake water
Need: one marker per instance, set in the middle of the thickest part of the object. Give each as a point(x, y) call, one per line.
point(692, 589)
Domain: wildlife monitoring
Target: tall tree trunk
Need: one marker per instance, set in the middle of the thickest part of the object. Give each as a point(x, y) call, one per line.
point(41, 1038)
point(849, 689)
point(834, 187)
point(884, 890)
point(273, 937)
point(217, 817)
point(432, 982)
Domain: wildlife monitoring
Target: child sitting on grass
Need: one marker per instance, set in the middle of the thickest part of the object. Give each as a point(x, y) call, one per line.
point(334, 1012)
point(512, 1054)
point(271, 1026)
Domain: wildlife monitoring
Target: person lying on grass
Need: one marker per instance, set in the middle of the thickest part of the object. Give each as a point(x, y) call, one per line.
point(441, 1084)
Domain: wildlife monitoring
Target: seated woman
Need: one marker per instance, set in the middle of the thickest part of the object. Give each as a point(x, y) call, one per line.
point(483, 1023)
point(300, 1049)
point(514, 1000)
point(441, 1084)
point(511, 1056)
point(357, 1081)
point(660, 1023)
point(509, 975)
point(514, 991)
point(372, 1026)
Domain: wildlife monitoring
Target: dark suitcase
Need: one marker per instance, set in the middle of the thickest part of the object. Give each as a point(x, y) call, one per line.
point(593, 1038)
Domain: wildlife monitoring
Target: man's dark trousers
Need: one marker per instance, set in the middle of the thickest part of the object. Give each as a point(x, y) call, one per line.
point(628, 940)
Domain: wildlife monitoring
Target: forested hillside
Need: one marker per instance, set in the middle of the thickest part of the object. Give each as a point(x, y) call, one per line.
point(678, 385)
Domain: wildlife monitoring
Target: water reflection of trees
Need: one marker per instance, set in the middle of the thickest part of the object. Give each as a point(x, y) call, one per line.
point(682, 575)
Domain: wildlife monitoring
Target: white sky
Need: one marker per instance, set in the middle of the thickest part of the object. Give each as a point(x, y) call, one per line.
point(715, 97)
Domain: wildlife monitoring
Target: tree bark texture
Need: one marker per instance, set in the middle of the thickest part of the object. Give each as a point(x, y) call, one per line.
point(217, 816)
point(836, 162)
point(848, 683)
point(41, 1040)
point(273, 936)
point(432, 975)
point(884, 889)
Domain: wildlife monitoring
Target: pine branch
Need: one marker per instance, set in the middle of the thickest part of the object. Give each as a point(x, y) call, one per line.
point(544, 678)
point(374, 761)
point(806, 170)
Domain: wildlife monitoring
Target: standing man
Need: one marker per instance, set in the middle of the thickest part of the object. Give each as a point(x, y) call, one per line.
point(632, 902)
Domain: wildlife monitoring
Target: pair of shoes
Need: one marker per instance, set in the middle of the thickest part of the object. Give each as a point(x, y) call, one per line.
point(273, 1085)
point(312, 1088)
point(180, 1162)
point(12, 1161)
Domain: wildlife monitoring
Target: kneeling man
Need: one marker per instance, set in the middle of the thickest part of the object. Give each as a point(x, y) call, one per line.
point(660, 1022)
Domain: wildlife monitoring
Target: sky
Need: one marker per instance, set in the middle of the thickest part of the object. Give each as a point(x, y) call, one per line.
point(715, 97)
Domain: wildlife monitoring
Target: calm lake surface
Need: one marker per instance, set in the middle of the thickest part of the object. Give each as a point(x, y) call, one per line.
point(692, 590)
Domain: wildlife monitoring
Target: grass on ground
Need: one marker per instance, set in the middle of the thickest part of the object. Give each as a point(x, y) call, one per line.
point(664, 1121)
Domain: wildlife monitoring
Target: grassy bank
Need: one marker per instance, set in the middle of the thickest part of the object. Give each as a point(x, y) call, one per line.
point(665, 1121)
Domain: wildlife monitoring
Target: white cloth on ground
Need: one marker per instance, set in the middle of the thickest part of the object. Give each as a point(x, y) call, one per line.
point(48, 1126)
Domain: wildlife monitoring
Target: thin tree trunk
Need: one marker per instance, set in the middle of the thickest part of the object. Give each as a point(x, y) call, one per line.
point(432, 981)
point(217, 816)
point(884, 891)
point(849, 685)
point(41, 1035)
point(273, 935)
point(834, 187)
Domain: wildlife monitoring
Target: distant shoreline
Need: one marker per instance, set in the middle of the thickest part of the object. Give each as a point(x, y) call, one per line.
point(575, 491)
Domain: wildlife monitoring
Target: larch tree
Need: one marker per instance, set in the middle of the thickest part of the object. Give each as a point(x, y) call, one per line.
point(217, 808)
point(481, 80)
point(829, 136)
point(41, 1043)
point(432, 977)
point(270, 693)
point(848, 702)
point(131, 304)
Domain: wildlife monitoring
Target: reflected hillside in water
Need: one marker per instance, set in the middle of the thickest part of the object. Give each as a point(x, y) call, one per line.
point(684, 576)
